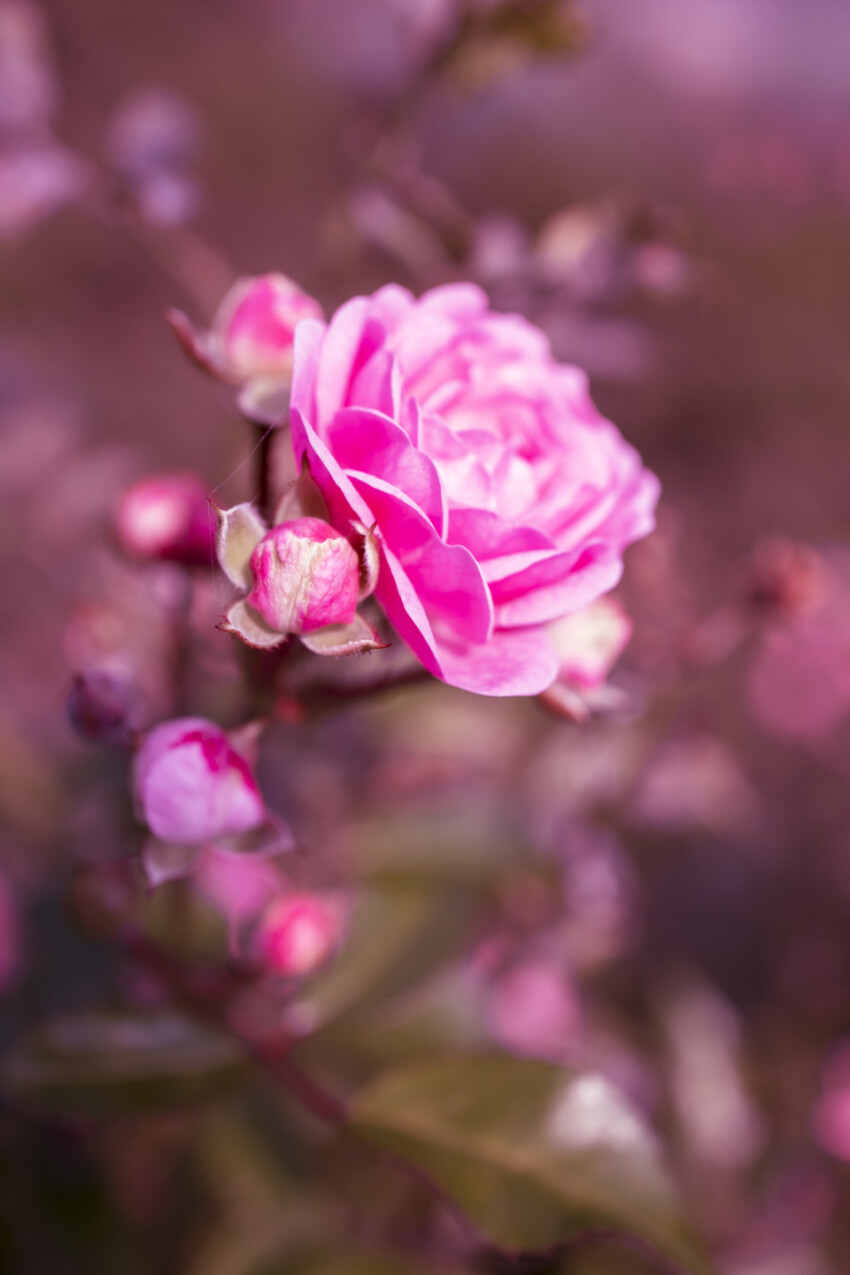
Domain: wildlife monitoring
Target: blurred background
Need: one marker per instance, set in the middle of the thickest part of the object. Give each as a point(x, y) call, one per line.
point(663, 186)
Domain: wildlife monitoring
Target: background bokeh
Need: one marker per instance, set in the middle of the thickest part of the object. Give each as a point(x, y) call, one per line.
point(670, 200)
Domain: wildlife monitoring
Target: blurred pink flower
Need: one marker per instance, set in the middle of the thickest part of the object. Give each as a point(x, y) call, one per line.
point(250, 338)
point(252, 332)
point(503, 500)
point(166, 517)
point(535, 1010)
point(588, 644)
point(831, 1117)
point(192, 785)
point(798, 683)
point(298, 932)
point(239, 886)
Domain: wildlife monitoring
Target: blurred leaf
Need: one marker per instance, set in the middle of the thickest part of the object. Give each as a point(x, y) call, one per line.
point(184, 924)
point(449, 842)
point(500, 40)
point(445, 1015)
point(99, 1064)
point(531, 1153)
point(365, 1264)
point(401, 931)
point(267, 1210)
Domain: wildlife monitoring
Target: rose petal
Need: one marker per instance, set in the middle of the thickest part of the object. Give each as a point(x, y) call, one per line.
point(446, 577)
point(513, 662)
point(364, 440)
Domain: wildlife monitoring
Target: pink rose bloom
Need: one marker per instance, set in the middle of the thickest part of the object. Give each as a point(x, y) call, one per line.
point(306, 575)
point(502, 499)
point(192, 785)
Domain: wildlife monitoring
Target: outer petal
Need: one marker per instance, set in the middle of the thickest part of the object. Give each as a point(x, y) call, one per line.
point(244, 621)
point(339, 357)
point(556, 586)
point(489, 537)
point(240, 530)
point(307, 346)
point(395, 592)
point(446, 577)
point(364, 440)
point(513, 662)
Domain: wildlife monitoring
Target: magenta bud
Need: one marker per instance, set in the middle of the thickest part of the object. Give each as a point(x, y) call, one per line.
point(192, 785)
point(306, 576)
point(105, 709)
point(299, 932)
point(167, 517)
point(253, 330)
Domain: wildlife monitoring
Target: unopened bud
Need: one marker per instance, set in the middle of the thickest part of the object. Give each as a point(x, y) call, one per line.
point(306, 576)
point(166, 518)
point(299, 932)
point(193, 786)
point(253, 330)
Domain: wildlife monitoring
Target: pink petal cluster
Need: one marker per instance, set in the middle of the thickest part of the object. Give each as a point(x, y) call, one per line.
point(192, 785)
point(166, 518)
point(252, 332)
point(306, 575)
point(503, 501)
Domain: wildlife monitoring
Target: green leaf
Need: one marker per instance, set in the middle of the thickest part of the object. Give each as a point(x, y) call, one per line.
point(401, 931)
point(530, 1152)
point(98, 1063)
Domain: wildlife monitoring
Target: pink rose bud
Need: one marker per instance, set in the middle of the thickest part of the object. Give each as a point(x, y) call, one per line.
point(166, 517)
point(252, 331)
point(298, 933)
point(590, 642)
point(306, 575)
point(192, 785)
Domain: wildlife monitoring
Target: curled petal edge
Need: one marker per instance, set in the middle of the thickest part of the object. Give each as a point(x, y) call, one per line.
point(355, 638)
point(240, 530)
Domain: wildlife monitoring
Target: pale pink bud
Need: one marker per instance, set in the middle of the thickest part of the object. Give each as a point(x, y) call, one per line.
point(306, 576)
point(299, 932)
point(252, 331)
point(166, 517)
point(590, 642)
point(192, 785)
